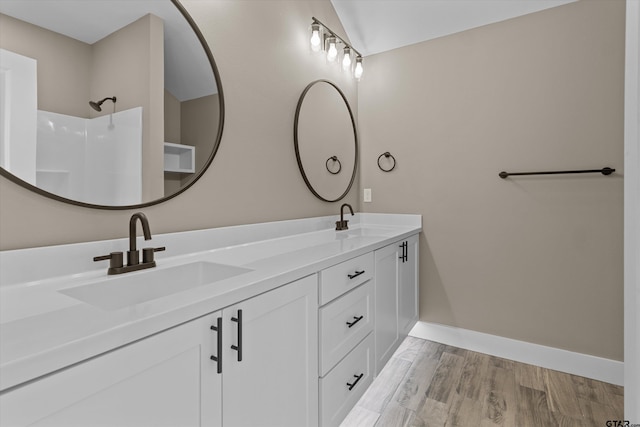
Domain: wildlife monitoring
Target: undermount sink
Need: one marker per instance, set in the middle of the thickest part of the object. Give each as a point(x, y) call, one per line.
point(360, 235)
point(113, 293)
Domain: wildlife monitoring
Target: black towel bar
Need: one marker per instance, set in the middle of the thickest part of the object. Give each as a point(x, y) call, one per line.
point(603, 171)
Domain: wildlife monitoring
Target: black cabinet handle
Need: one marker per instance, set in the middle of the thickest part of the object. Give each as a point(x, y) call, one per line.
point(218, 358)
point(238, 347)
point(353, 276)
point(405, 250)
point(350, 324)
point(358, 378)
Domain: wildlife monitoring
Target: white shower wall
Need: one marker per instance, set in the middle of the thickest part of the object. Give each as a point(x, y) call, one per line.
point(96, 161)
point(18, 103)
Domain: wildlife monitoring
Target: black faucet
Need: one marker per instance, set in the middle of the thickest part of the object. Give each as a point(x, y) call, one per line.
point(133, 255)
point(342, 224)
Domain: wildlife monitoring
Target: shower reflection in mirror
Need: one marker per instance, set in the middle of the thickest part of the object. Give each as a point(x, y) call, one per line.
point(81, 158)
point(147, 60)
point(97, 160)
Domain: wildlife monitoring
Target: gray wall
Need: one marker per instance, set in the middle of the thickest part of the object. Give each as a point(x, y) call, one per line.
point(537, 259)
point(262, 52)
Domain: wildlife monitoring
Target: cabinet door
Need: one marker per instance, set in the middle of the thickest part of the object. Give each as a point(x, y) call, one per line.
point(276, 382)
point(386, 303)
point(153, 382)
point(408, 287)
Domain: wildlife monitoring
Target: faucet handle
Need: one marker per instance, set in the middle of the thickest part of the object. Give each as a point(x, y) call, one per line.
point(147, 253)
point(116, 259)
point(342, 225)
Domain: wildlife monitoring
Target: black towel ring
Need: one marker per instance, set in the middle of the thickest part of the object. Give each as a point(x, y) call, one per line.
point(335, 160)
point(387, 155)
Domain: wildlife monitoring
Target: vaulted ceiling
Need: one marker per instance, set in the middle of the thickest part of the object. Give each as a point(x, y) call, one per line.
point(375, 26)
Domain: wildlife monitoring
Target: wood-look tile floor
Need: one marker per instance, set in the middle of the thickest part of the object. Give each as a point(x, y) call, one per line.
point(431, 384)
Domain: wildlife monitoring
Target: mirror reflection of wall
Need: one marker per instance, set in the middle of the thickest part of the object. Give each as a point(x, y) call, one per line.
point(70, 73)
point(136, 55)
point(325, 128)
point(74, 157)
point(190, 122)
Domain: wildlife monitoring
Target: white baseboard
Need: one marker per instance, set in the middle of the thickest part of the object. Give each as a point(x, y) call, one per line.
point(584, 365)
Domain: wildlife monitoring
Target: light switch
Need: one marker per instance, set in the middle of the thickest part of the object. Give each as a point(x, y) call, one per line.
point(367, 195)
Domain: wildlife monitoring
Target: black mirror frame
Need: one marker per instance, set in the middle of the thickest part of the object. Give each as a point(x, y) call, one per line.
point(216, 145)
point(295, 141)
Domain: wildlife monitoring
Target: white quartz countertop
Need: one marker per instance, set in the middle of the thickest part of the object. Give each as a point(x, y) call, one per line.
point(42, 329)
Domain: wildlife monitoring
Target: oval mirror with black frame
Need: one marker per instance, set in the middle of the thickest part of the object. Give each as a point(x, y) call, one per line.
point(326, 141)
point(103, 105)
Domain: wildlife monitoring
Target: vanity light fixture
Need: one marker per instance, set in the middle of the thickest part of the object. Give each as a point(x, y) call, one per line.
point(357, 71)
point(346, 59)
point(316, 39)
point(332, 50)
point(324, 39)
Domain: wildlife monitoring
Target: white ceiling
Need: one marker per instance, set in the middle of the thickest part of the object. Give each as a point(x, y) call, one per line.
point(375, 26)
point(91, 21)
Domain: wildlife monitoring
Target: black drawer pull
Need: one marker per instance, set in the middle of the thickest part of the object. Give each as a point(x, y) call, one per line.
point(238, 347)
point(353, 276)
point(350, 324)
point(218, 358)
point(358, 378)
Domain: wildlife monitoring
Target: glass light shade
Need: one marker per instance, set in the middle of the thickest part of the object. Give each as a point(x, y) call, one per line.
point(316, 40)
point(357, 72)
point(346, 59)
point(332, 50)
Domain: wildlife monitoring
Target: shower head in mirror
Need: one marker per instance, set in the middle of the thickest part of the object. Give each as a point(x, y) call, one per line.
point(98, 105)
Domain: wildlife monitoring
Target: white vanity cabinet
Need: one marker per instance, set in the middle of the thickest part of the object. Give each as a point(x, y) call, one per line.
point(368, 305)
point(408, 282)
point(169, 379)
point(153, 382)
point(295, 341)
point(396, 296)
point(346, 344)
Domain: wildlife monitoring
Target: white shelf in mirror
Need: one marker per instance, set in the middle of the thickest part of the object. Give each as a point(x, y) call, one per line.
point(179, 158)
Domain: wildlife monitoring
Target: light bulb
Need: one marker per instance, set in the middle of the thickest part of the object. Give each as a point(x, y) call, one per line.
point(346, 59)
point(332, 52)
point(357, 72)
point(315, 38)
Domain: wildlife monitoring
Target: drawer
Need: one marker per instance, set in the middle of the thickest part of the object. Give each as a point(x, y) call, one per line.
point(336, 280)
point(344, 322)
point(336, 399)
